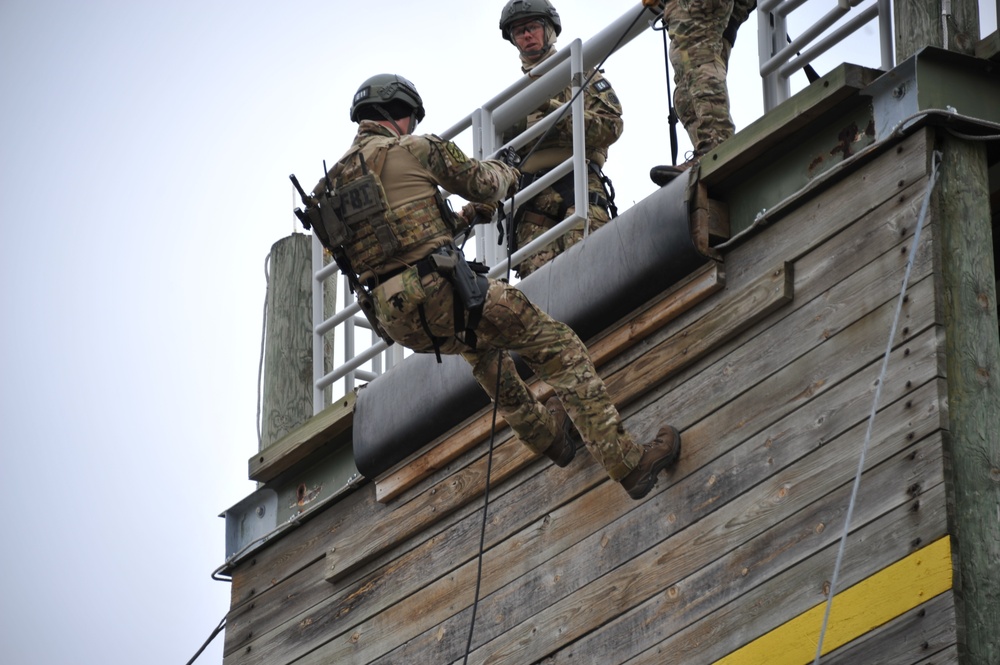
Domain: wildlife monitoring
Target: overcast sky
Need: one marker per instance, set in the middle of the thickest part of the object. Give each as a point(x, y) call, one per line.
point(145, 149)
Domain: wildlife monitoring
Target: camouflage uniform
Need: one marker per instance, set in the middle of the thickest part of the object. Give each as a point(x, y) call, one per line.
point(699, 54)
point(409, 306)
point(602, 115)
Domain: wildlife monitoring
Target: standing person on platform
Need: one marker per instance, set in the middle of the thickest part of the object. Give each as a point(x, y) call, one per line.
point(532, 26)
point(702, 34)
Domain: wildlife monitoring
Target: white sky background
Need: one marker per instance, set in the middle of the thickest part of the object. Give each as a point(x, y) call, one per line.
point(144, 158)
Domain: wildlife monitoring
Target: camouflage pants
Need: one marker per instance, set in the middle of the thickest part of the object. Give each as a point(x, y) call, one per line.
point(551, 349)
point(544, 215)
point(700, 58)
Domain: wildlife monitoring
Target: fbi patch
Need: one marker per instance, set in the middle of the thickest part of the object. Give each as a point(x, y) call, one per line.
point(602, 86)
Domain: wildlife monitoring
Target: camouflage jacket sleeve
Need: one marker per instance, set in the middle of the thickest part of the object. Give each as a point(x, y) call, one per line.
point(483, 181)
point(602, 113)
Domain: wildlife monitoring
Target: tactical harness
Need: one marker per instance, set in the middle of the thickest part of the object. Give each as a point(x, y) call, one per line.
point(357, 215)
point(564, 187)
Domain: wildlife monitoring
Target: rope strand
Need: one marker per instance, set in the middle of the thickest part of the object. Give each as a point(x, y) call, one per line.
point(935, 161)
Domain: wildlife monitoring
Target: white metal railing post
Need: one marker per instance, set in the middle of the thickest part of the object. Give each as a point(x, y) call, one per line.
point(771, 26)
point(888, 49)
point(781, 56)
point(318, 314)
point(348, 336)
point(581, 193)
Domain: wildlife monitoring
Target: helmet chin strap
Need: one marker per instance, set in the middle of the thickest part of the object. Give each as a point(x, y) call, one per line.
point(399, 130)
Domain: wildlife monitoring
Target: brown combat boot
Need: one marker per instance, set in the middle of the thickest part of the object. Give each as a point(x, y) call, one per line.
point(661, 175)
point(563, 449)
point(662, 453)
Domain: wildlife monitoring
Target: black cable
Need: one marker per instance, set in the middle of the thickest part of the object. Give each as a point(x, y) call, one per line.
point(671, 112)
point(215, 633)
point(493, 429)
point(486, 505)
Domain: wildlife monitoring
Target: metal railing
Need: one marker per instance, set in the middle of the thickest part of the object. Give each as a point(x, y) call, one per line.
point(779, 56)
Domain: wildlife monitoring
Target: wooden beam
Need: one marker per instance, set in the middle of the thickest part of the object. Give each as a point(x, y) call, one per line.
point(305, 440)
point(709, 222)
point(968, 299)
point(686, 295)
point(919, 24)
point(286, 400)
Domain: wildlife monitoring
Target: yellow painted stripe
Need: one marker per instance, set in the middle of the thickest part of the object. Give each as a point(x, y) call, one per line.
point(868, 604)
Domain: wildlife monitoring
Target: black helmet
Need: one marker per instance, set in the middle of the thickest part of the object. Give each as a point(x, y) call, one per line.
point(388, 90)
point(518, 10)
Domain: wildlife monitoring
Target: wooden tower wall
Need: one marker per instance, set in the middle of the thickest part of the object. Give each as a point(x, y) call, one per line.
point(740, 539)
point(768, 363)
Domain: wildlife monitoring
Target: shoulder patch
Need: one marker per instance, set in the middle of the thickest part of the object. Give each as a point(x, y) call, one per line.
point(455, 152)
point(602, 85)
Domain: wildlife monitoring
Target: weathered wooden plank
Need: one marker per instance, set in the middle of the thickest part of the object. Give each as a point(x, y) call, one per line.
point(678, 300)
point(811, 221)
point(252, 620)
point(918, 25)
point(710, 484)
point(713, 576)
point(834, 285)
point(783, 545)
point(917, 635)
point(709, 222)
point(396, 624)
point(344, 606)
point(988, 48)
point(882, 596)
point(803, 586)
point(646, 576)
point(947, 656)
point(727, 318)
point(829, 331)
point(717, 326)
point(317, 432)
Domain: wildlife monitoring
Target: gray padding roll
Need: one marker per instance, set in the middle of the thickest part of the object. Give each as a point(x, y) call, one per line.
point(625, 263)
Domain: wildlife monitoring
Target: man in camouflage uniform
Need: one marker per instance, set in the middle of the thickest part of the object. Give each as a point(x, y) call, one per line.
point(393, 254)
point(702, 34)
point(533, 26)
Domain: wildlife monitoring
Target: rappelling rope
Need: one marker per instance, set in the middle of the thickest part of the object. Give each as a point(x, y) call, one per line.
point(935, 162)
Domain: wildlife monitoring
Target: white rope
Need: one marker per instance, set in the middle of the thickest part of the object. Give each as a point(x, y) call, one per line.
point(935, 161)
point(263, 336)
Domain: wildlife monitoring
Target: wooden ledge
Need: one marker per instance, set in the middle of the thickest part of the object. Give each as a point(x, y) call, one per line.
point(309, 438)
